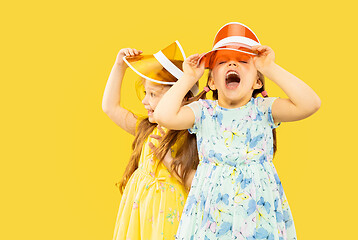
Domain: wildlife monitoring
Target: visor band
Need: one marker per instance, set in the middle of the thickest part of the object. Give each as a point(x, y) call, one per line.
point(236, 39)
point(168, 65)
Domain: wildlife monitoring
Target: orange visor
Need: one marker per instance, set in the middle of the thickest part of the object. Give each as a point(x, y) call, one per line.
point(234, 37)
point(238, 52)
point(164, 67)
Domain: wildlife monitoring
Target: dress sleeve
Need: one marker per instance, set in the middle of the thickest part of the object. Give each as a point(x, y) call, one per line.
point(196, 108)
point(266, 108)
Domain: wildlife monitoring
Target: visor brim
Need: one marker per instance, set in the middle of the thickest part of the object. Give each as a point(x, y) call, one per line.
point(207, 56)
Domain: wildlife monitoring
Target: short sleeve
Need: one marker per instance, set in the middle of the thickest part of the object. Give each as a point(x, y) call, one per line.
point(265, 105)
point(196, 108)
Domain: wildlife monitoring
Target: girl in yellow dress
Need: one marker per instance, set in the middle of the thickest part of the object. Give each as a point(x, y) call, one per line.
point(156, 181)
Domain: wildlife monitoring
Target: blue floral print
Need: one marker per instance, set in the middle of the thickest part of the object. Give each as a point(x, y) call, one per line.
point(236, 192)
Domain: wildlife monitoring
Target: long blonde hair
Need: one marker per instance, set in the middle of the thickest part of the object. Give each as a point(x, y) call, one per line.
point(187, 155)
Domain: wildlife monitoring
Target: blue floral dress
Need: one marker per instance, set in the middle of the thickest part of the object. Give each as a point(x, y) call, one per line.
point(236, 192)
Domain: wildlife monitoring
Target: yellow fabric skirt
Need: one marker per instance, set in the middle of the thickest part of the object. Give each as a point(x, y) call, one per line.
point(152, 201)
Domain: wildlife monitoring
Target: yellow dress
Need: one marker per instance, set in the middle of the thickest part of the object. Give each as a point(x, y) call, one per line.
point(152, 201)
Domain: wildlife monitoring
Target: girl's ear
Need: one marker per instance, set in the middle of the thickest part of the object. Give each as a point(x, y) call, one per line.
point(258, 84)
point(211, 83)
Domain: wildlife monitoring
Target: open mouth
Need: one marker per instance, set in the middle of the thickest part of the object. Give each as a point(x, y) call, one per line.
point(150, 112)
point(232, 79)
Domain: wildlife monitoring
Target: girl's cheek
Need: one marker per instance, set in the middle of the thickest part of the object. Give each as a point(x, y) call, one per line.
point(246, 66)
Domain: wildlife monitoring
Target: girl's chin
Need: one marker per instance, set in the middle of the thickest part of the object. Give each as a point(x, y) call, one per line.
point(151, 119)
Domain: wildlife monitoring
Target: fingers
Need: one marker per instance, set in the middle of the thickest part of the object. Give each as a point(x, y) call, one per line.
point(161, 130)
point(193, 59)
point(168, 158)
point(169, 154)
point(137, 52)
point(151, 146)
point(201, 64)
point(156, 137)
point(130, 52)
point(254, 48)
point(261, 49)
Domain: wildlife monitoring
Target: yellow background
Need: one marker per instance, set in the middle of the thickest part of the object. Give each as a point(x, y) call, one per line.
point(61, 155)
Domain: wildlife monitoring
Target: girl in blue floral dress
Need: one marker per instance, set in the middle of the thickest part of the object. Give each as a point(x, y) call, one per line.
point(236, 192)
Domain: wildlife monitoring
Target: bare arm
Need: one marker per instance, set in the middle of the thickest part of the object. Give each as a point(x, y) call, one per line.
point(169, 112)
point(112, 94)
point(302, 100)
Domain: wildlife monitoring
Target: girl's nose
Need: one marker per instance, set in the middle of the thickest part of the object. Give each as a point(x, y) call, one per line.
point(233, 64)
point(144, 101)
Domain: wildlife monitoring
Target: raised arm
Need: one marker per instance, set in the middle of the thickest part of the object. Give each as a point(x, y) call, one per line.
point(302, 100)
point(112, 94)
point(169, 112)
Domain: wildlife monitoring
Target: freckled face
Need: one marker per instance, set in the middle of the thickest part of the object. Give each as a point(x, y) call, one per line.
point(153, 93)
